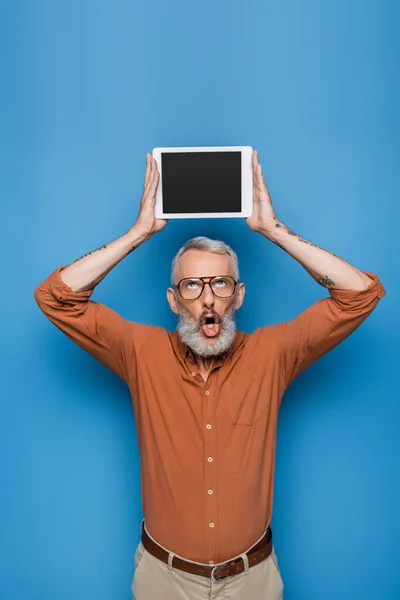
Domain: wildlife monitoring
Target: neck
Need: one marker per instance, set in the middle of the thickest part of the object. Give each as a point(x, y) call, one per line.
point(205, 364)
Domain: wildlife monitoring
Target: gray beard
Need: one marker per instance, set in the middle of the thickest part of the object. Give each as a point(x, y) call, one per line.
point(190, 333)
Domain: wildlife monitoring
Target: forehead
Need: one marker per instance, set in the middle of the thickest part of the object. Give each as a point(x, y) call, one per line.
point(202, 263)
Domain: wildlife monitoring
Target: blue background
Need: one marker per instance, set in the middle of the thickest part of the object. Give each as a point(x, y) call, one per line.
point(87, 89)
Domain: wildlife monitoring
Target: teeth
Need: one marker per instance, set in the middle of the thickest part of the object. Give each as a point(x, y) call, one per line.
point(210, 325)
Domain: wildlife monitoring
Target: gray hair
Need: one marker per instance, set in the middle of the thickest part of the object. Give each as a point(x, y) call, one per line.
point(205, 243)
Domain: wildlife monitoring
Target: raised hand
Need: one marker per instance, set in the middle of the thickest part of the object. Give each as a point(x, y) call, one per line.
point(263, 217)
point(146, 221)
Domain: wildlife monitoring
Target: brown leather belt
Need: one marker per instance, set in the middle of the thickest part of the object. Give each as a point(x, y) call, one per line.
point(256, 554)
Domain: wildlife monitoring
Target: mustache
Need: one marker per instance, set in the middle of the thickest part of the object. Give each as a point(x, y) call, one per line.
point(209, 317)
point(197, 323)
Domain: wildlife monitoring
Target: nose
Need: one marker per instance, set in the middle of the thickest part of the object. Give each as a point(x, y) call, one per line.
point(207, 296)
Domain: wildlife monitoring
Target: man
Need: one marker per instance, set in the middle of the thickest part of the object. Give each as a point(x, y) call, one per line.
point(207, 397)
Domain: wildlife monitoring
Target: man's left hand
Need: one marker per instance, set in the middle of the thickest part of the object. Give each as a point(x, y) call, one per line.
point(263, 217)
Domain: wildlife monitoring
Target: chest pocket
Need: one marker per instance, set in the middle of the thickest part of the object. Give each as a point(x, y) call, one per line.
point(246, 400)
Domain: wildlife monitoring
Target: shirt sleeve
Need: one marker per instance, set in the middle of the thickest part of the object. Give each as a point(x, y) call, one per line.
point(99, 330)
point(325, 324)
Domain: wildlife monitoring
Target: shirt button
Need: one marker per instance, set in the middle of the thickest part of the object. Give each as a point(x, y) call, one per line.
point(211, 525)
point(207, 392)
point(210, 492)
point(208, 426)
point(210, 459)
point(210, 562)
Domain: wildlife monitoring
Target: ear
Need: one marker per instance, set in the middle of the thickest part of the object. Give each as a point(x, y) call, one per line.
point(172, 300)
point(240, 295)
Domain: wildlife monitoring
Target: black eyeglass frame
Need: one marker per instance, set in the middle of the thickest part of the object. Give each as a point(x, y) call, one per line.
point(177, 286)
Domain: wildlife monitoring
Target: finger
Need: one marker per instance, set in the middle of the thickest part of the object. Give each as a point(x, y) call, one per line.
point(259, 176)
point(261, 185)
point(150, 171)
point(254, 165)
point(150, 175)
point(147, 173)
point(152, 185)
point(153, 188)
point(263, 178)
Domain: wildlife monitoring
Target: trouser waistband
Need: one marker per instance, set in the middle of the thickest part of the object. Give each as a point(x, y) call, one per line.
point(257, 553)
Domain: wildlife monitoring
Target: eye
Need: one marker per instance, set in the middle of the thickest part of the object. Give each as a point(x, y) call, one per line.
point(191, 285)
point(220, 282)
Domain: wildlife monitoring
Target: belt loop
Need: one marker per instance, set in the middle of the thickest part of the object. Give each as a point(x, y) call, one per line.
point(246, 563)
point(170, 559)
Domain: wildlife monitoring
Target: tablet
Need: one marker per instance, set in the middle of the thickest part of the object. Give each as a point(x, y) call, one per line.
point(204, 182)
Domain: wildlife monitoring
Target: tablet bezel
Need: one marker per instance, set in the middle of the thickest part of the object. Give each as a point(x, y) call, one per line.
point(247, 182)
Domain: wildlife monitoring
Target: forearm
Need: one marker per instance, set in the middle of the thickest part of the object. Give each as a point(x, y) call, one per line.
point(88, 270)
point(328, 269)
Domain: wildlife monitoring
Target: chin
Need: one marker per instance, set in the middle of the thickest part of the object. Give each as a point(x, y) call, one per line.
point(211, 339)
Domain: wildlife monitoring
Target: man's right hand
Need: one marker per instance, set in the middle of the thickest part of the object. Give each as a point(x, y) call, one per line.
point(146, 221)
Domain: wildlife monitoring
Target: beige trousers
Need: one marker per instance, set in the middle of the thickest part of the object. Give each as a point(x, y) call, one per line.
point(154, 580)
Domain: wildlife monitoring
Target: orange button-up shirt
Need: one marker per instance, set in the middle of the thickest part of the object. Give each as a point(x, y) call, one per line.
point(207, 448)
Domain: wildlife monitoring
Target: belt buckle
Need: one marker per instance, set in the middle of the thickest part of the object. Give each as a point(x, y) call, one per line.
point(218, 567)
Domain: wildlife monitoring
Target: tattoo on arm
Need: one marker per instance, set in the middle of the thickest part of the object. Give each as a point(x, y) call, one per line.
point(328, 251)
point(88, 254)
point(132, 249)
point(300, 239)
point(325, 281)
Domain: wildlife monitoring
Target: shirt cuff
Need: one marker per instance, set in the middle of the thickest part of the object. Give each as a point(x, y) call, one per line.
point(62, 291)
point(374, 289)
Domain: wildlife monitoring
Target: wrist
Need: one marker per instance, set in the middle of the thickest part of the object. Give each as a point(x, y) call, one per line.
point(275, 233)
point(136, 235)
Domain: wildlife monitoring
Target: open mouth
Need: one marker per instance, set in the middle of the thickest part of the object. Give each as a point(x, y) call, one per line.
point(210, 326)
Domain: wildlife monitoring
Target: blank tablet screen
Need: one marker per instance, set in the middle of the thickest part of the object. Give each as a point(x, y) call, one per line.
point(201, 182)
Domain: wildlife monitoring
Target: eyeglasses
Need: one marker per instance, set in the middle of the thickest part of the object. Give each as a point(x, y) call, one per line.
point(222, 286)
